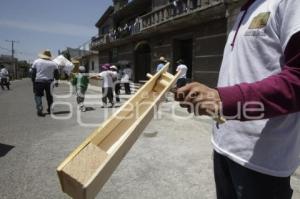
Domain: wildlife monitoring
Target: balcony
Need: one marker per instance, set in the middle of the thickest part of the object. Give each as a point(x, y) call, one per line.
point(152, 19)
point(117, 34)
point(173, 11)
point(97, 41)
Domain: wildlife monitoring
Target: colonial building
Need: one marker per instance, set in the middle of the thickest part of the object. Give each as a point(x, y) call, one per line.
point(140, 31)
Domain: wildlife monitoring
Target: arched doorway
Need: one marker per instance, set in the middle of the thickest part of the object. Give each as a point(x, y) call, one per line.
point(142, 56)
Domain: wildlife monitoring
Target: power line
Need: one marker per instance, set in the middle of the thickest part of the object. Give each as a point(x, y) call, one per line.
point(24, 53)
point(4, 48)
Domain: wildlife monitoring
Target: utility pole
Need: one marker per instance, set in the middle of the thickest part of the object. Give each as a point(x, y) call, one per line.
point(13, 57)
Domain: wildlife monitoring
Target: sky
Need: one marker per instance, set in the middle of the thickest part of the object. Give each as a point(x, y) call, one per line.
point(54, 25)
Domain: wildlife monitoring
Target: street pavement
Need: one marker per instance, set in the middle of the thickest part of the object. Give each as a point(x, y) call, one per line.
point(172, 159)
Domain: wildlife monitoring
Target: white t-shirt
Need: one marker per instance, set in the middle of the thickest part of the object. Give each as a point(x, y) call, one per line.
point(44, 69)
point(107, 78)
point(183, 70)
point(127, 73)
point(270, 146)
point(3, 73)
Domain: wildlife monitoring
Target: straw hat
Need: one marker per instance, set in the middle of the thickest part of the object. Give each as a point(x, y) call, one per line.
point(162, 59)
point(75, 61)
point(81, 68)
point(46, 54)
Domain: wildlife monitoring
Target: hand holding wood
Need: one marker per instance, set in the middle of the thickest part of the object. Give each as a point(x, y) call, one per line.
point(200, 100)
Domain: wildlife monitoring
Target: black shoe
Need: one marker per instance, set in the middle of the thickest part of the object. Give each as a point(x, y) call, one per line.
point(49, 111)
point(82, 109)
point(40, 114)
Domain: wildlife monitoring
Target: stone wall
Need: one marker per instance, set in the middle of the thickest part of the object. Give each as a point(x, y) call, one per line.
point(209, 44)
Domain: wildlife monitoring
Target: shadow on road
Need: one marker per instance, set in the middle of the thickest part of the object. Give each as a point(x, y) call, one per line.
point(89, 108)
point(4, 149)
point(68, 112)
point(61, 112)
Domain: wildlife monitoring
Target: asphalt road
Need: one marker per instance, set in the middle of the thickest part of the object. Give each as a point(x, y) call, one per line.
point(31, 146)
point(174, 164)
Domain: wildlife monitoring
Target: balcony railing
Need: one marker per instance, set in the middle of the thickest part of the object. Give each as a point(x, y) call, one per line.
point(119, 33)
point(154, 18)
point(98, 41)
point(173, 10)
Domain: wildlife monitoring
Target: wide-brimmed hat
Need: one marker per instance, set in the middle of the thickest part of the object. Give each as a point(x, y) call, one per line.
point(162, 59)
point(46, 54)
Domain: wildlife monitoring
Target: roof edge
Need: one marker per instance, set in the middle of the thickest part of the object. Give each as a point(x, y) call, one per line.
point(106, 14)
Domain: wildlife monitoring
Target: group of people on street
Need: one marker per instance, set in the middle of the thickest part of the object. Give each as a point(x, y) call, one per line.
point(258, 148)
point(4, 78)
point(45, 76)
point(112, 79)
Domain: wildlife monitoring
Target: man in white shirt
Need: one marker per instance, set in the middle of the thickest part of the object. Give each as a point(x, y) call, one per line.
point(44, 71)
point(107, 77)
point(258, 149)
point(127, 73)
point(182, 68)
point(4, 78)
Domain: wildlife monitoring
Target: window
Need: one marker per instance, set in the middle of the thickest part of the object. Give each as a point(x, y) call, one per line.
point(93, 65)
point(105, 30)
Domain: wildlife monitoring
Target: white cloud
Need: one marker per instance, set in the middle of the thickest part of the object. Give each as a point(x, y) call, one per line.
point(51, 27)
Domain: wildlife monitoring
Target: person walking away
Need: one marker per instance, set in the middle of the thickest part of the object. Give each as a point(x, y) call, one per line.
point(258, 148)
point(107, 77)
point(81, 82)
point(116, 81)
point(161, 64)
point(44, 71)
point(4, 76)
point(182, 68)
point(127, 73)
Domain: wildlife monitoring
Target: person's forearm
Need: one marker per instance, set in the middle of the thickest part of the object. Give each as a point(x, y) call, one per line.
point(33, 74)
point(56, 74)
point(276, 95)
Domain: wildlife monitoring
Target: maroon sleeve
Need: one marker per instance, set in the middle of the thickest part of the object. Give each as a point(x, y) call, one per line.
point(273, 96)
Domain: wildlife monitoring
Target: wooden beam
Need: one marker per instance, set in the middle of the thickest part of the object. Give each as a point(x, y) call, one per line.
point(86, 170)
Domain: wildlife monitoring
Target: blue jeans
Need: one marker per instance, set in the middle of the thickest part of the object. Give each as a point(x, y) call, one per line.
point(38, 102)
point(39, 89)
point(234, 181)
